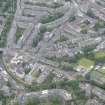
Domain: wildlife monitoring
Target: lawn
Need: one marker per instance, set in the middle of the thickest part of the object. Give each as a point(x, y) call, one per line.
point(98, 76)
point(103, 69)
point(86, 63)
point(100, 54)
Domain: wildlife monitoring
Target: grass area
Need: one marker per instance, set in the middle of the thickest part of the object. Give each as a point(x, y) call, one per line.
point(86, 63)
point(100, 54)
point(103, 69)
point(97, 76)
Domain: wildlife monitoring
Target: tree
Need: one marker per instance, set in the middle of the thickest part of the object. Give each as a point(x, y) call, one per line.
point(32, 101)
point(72, 18)
point(43, 29)
point(90, 13)
point(87, 22)
point(88, 49)
point(99, 24)
point(55, 100)
point(27, 70)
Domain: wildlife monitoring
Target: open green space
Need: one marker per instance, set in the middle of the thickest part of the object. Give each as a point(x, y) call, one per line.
point(86, 63)
point(97, 76)
point(100, 54)
point(102, 70)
